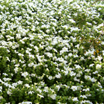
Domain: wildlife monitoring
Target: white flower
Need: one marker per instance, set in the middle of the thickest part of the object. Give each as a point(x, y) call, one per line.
point(39, 90)
point(87, 77)
point(7, 103)
point(103, 52)
point(58, 86)
point(73, 38)
point(3, 42)
point(49, 54)
point(62, 60)
point(53, 96)
point(72, 73)
point(71, 20)
point(77, 66)
point(75, 99)
point(89, 52)
point(30, 92)
point(89, 24)
point(36, 48)
point(91, 65)
point(86, 89)
point(65, 49)
point(86, 102)
point(20, 82)
point(47, 30)
point(93, 80)
point(27, 102)
point(102, 42)
point(54, 41)
point(58, 75)
point(87, 70)
point(83, 96)
point(40, 95)
point(31, 64)
point(100, 25)
point(14, 84)
point(70, 54)
point(0, 88)
point(16, 69)
point(65, 26)
point(99, 58)
point(75, 79)
point(45, 89)
point(50, 77)
point(27, 85)
point(9, 92)
point(1, 97)
point(6, 79)
point(95, 72)
point(10, 43)
point(24, 74)
point(98, 66)
point(74, 88)
point(66, 72)
point(74, 29)
point(18, 36)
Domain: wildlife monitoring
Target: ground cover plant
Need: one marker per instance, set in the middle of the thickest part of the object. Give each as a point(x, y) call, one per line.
point(51, 51)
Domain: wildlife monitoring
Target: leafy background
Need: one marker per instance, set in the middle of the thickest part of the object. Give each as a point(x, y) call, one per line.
point(51, 51)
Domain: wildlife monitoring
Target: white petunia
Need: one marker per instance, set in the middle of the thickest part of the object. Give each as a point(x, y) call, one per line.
point(64, 49)
point(72, 73)
point(91, 65)
point(49, 54)
point(40, 95)
point(53, 96)
point(70, 54)
point(77, 66)
point(50, 77)
point(102, 42)
point(24, 74)
point(0, 88)
point(31, 64)
point(71, 20)
point(58, 75)
point(16, 69)
point(58, 87)
point(75, 99)
point(74, 88)
point(20, 82)
point(27, 85)
point(18, 36)
point(9, 92)
point(98, 66)
point(55, 41)
point(87, 77)
point(27, 102)
point(45, 89)
point(99, 58)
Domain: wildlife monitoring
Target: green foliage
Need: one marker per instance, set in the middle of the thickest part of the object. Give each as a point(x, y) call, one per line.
point(51, 51)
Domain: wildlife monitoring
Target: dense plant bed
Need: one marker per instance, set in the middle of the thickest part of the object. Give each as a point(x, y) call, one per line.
point(51, 51)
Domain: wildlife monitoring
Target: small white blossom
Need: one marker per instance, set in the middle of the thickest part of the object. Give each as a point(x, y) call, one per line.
point(75, 99)
point(27, 85)
point(24, 74)
point(98, 66)
point(74, 88)
point(45, 89)
point(27, 102)
point(49, 54)
point(58, 75)
point(53, 96)
point(50, 77)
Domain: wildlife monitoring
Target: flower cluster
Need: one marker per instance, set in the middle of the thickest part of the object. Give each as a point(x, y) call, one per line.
point(43, 57)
